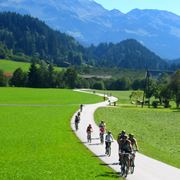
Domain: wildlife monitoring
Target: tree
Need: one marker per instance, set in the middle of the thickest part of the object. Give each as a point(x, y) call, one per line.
point(175, 87)
point(70, 77)
point(51, 76)
point(121, 84)
point(2, 79)
point(19, 78)
point(33, 76)
point(136, 97)
point(166, 95)
point(98, 85)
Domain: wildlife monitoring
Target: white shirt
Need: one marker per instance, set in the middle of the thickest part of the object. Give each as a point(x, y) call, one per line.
point(109, 138)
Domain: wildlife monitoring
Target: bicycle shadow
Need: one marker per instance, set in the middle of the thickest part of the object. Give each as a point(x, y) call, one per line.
point(115, 175)
point(103, 155)
point(94, 144)
point(108, 164)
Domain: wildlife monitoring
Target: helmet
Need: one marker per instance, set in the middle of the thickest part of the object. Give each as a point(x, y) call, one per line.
point(131, 135)
point(102, 121)
point(109, 132)
point(123, 132)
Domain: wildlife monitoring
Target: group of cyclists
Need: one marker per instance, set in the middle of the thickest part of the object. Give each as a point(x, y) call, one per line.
point(127, 144)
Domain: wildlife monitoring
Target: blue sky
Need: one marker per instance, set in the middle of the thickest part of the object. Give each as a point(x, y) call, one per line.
point(127, 5)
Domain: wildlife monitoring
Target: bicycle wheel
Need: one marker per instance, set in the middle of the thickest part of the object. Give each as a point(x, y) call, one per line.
point(132, 166)
point(89, 138)
point(101, 138)
point(126, 167)
point(122, 167)
point(76, 126)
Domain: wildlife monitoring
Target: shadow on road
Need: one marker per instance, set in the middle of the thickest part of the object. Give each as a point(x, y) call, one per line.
point(113, 164)
point(94, 144)
point(114, 175)
point(82, 142)
point(103, 155)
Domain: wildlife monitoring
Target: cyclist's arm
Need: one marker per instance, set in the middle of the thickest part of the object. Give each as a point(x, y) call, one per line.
point(136, 145)
point(112, 138)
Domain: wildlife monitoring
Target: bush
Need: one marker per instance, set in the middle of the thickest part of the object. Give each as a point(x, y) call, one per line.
point(155, 104)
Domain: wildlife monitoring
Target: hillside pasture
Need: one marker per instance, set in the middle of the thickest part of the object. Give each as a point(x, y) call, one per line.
point(9, 66)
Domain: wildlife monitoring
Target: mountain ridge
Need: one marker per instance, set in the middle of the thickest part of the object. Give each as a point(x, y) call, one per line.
point(89, 23)
point(23, 34)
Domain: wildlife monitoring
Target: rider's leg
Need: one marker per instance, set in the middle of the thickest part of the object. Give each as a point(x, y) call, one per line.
point(106, 145)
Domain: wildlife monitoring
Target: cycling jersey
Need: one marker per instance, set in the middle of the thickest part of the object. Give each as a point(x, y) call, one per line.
point(109, 138)
point(126, 146)
point(102, 130)
point(89, 129)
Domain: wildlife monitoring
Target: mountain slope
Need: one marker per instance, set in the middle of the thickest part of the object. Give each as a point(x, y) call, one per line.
point(32, 37)
point(90, 23)
point(27, 35)
point(126, 54)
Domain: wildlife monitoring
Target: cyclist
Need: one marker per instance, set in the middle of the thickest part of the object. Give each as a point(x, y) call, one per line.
point(119, 140)
point(101, 134)
point(81, 107)
point(79, 115)
point(133, 142)
point(102, 124)
point(89, 130)
point(76, 122)
point(102, 129)
point(108, 140)
point(125, 146)
point(121, 135)
point(134, 146)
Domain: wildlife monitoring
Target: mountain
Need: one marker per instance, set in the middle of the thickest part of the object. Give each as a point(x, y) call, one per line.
point(32, 37)
point(176, 61)
point(89, 23)
point(126, 54)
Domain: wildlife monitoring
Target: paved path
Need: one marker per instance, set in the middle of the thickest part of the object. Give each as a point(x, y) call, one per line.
point(146, 168)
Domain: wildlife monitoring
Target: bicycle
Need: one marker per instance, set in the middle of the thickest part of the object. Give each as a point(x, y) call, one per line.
point(89, 137)
point(76, 125)
point(108, 148)
point(124, 164)
point(132, 158)
point(101, 136)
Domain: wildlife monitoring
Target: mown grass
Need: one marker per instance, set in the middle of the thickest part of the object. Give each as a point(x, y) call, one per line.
point(38, 143)
point(10, 66)
point(123, 96)
point(157, 130)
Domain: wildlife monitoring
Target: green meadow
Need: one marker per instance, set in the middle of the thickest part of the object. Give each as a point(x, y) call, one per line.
point(36, 139)
point(157, 130)
point(10, 66)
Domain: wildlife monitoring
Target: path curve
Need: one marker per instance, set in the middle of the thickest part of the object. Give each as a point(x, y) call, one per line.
point(146, 168)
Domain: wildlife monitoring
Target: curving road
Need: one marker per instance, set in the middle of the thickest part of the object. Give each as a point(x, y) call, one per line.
point(145, 168)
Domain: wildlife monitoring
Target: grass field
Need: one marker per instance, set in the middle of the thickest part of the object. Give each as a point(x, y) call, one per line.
point(37, 142)
point(11, 66)
point(157, 130)
point(123, 96)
